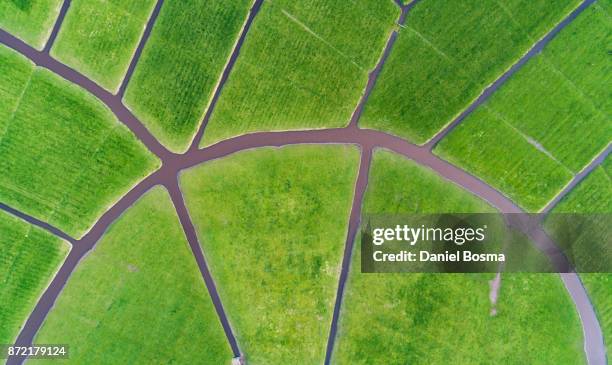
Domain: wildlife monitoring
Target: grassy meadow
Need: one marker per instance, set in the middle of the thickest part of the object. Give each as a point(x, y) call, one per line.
point(446, 54)
point(530, 152)
point(443, 318)
point(99, 37)
point(181, 64)
point(29, 20)
point(272, 224)
point(592, 195)
point(29, 257)
point(65, 158)
point(139, 298)
point(303, 65)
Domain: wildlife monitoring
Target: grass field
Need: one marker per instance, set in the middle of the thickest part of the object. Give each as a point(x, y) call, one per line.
point(99, 37)
point(530, 152)
point(180, 66)
point(592, 195)
point(445, 319)
point(303, 65)
point(28, 259)
point(138, 298)
point(526, 175)
point(65, 158)
point(446, 54)
point(272, 224)
point(30, 20)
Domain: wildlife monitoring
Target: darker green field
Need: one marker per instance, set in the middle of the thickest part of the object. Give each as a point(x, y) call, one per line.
point(446, 54)
point(562, 120)
point(592, 196)
point(181, 64)
point(28, 259)
point(30, 20)
point(138, 298)
point(272, 224)
point(98, 37)
point(447, 319)
point(65, 158)
point(303, 65)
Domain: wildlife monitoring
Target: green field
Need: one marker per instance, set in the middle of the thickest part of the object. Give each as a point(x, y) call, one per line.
point(530, 152)
point(30, 20)
point(65, 158)
point(496, 153)
point(272, 224)
point(180, 66)
point(303, 65)
point(139, 298)
point(592, 195)
point(446, 319)
point(99, 37)
point(585, 237)
point(28, 258)
point(446, 54)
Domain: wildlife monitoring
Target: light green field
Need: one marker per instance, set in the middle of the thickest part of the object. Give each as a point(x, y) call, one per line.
point(180, 66)
point(530, 152)
point(65, 158)
point(99, 37)
point(28, 258)
point(445, 318)
point(495, 152)
point(30, 20)
point(272, 224)
point(139, 298)
point(303, 65)
point(446, 54)
point(592, 195)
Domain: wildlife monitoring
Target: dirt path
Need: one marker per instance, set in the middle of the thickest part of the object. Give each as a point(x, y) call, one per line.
point(226, 71)
point(56, 27)
point(172, 164)
point(37, 222)
point(353, 226)
point(143, 40)
point(192, 238)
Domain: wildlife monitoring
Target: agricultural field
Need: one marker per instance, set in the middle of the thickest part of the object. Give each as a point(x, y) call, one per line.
point(28, 259)
point(592, 196)
point(65, 158)
point(272, 224)
point(433, 318)
point(99, 37)
point(442, 61)
point(29, 20)
point(302, 66)
point(530, 152)
point(139, 296)
point(181, 64)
